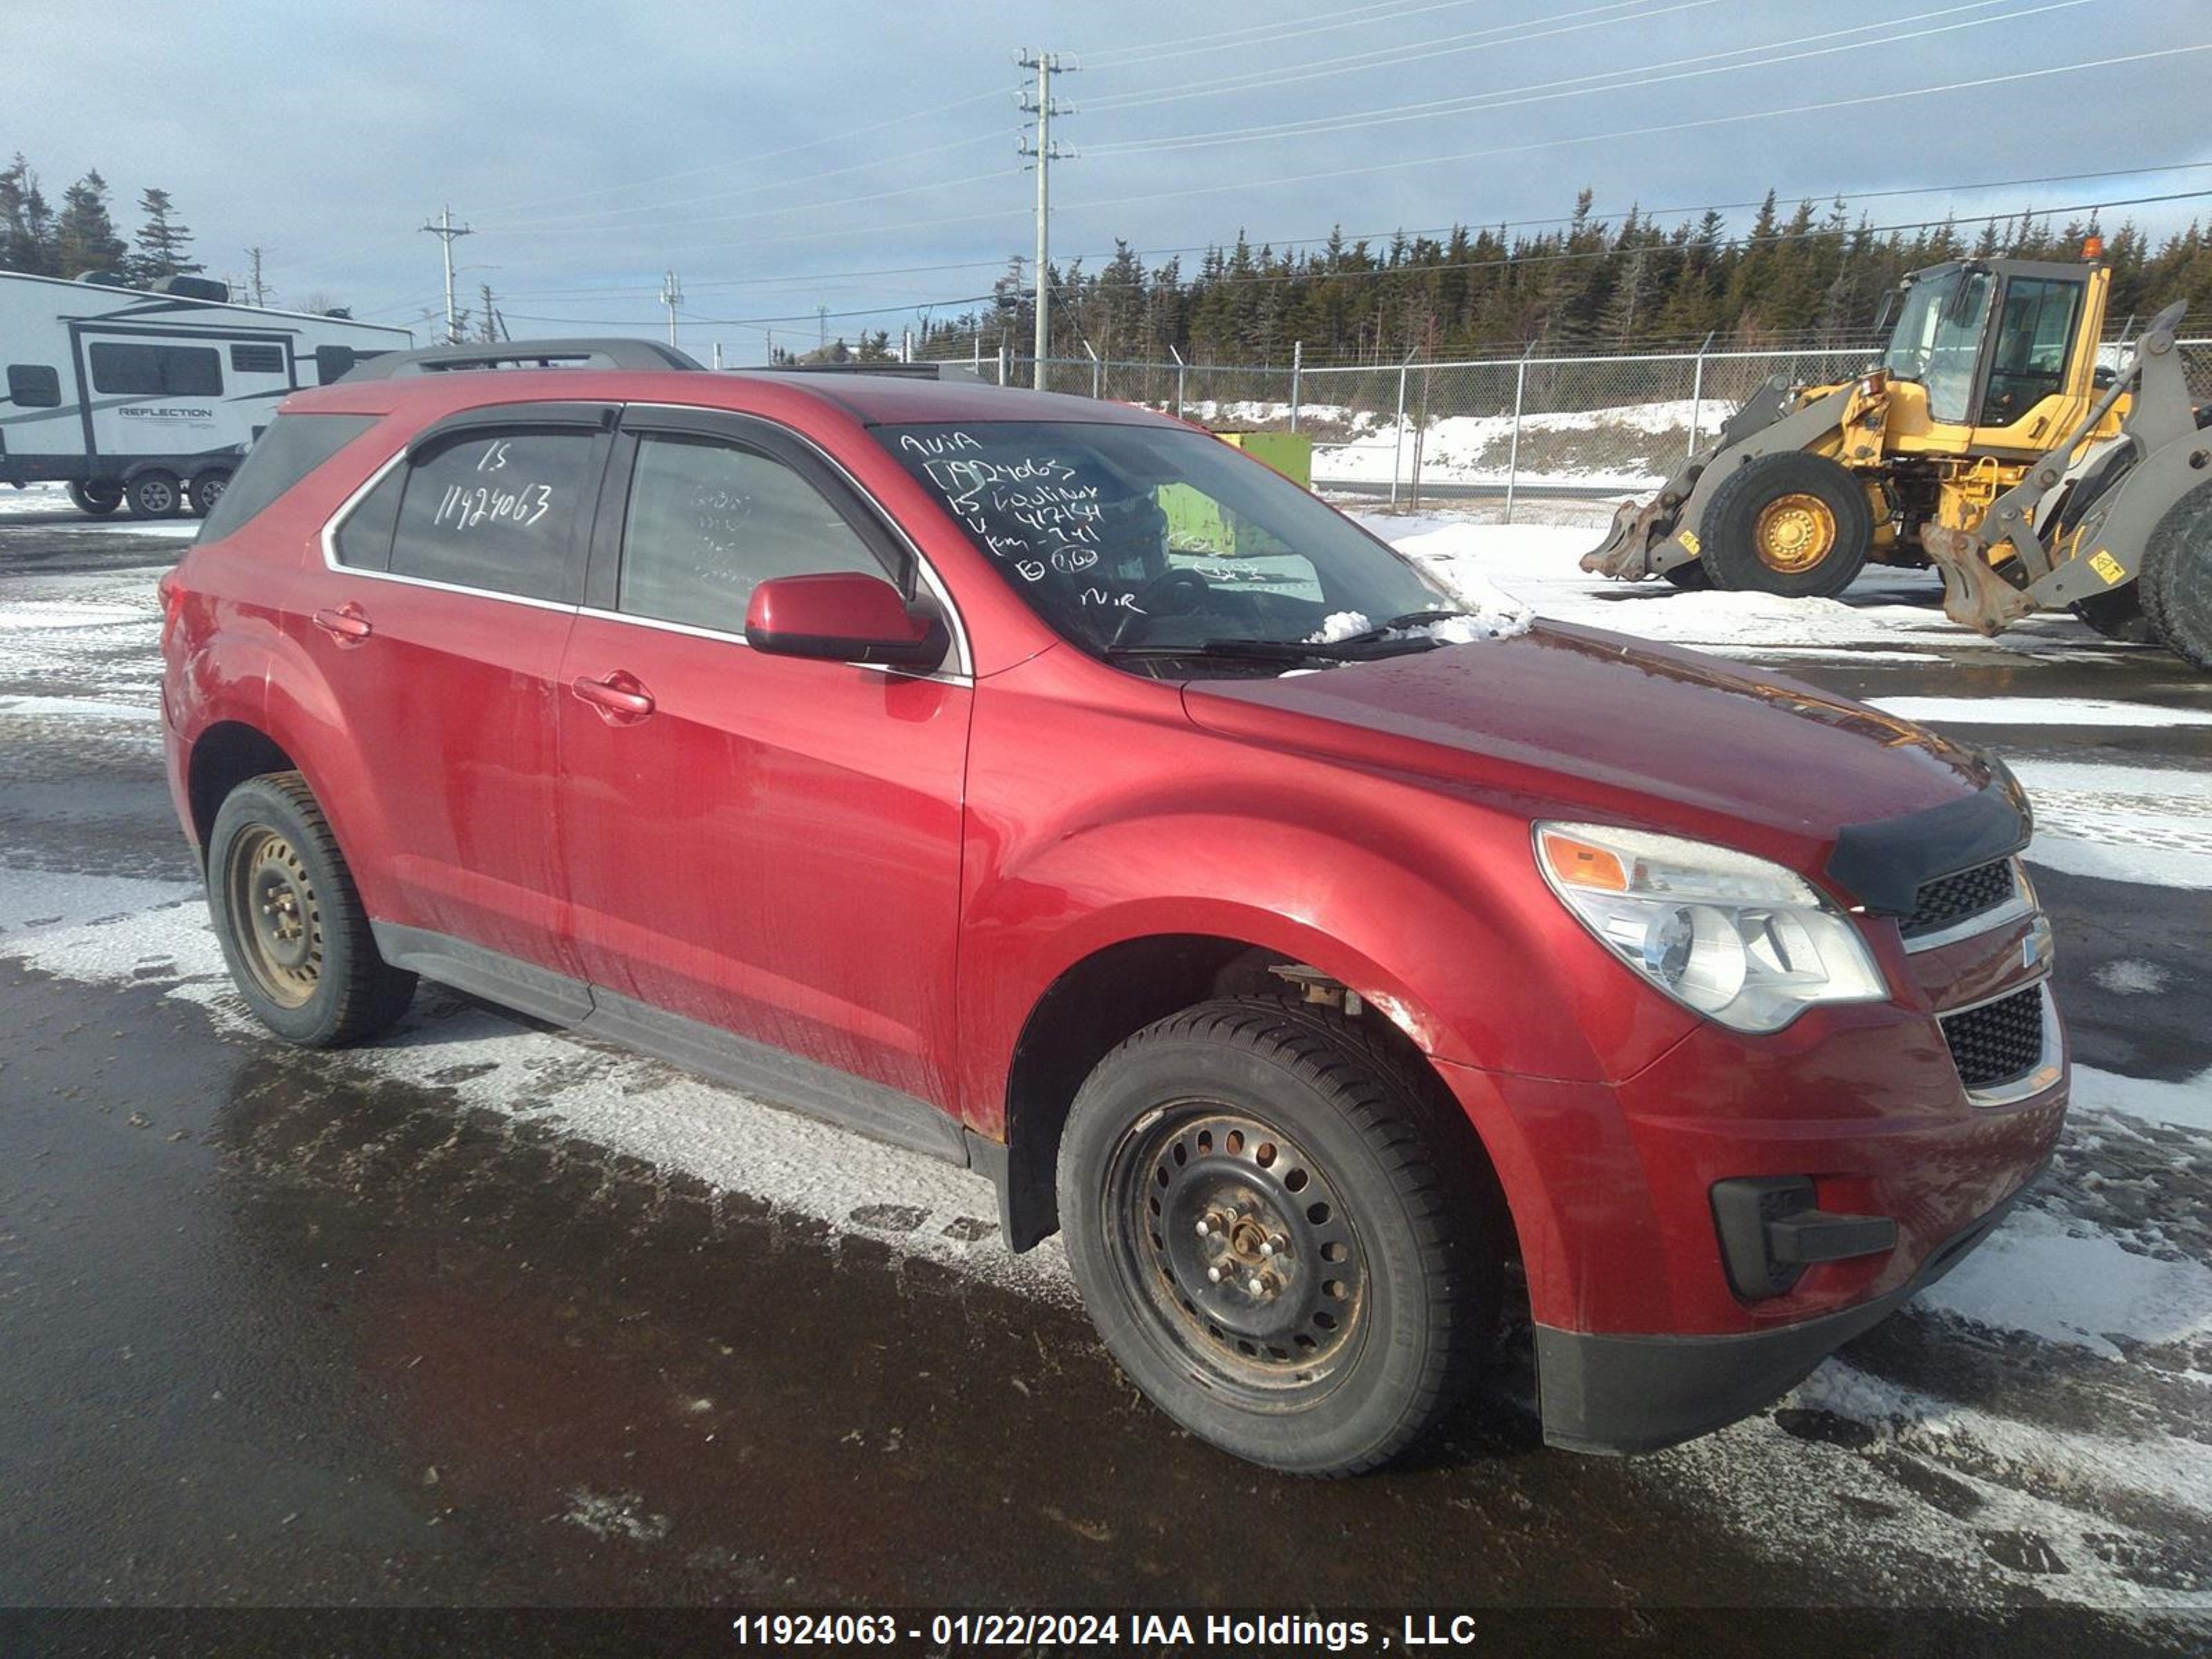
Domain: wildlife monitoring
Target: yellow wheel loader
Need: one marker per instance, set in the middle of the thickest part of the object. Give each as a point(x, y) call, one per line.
point(1989, 442)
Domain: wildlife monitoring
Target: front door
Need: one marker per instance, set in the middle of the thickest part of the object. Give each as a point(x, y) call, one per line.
point(761, 845)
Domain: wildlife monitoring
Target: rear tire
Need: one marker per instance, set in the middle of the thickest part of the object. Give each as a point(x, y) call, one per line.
point(1691, 577)
point(205, 490)
point(2175, 581)
point(98, 499)
point(1332, 1180)
point(293, 931)
point(1794, 525)
point(154, 496)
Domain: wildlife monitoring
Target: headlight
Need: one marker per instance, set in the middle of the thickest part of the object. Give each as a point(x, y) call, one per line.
point(1746, 942)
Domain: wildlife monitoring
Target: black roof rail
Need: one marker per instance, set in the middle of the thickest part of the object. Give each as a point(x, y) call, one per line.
point(935, 369)
point(610, 352)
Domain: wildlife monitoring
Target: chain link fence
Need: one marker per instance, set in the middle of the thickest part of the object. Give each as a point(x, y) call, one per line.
point(1576, 434)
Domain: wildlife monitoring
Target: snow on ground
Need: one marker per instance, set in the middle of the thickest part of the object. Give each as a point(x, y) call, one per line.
point(53, 499)
point(2041, 711)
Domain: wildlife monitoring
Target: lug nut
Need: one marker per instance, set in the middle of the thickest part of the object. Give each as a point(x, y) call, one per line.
point(1204, 1228)
point(1214, 1275)
point(1256, 1285)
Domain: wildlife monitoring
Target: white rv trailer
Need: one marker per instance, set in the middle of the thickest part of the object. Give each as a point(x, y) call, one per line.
point(152, 398)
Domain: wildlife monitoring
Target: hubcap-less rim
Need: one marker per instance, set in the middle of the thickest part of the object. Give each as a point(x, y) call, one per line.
point(159, 497)
point(1237, 1246)
point(275, 915)
point(1795, 532)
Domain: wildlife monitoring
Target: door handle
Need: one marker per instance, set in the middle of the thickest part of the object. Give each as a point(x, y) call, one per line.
point(346, 624)
point(620, 698)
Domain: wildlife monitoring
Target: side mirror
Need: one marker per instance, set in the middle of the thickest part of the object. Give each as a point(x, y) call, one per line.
point(845, 616)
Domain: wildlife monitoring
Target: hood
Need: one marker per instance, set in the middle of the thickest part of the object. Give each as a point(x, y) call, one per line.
point(1573, 718)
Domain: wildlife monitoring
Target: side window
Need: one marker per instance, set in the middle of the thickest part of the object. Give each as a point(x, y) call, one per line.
point(132, 370)
point(497, 510)
point(709, 522)
point(364, 540)
point(287, 451)
point(33, 386)
point(2032, 334)
point(257, 360)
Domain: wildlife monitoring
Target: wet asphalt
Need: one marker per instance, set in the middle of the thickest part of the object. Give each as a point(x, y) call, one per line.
point(271, 1337)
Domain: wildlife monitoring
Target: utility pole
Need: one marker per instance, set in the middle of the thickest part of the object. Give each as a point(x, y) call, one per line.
point(444, 230)
point(260, 290)
point(671, 296)
point(821, 328)
point(1039, 104)
point(488, 326)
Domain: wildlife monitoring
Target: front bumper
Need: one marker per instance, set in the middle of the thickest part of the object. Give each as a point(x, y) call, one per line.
point(1634, 1394)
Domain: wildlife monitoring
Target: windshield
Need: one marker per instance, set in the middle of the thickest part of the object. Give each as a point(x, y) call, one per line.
point(1145, 538)
point(1937, 338)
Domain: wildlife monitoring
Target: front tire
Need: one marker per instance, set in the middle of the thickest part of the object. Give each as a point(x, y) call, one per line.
point(293, 931)
point(1794, 525)
point(1357, 1277)
point(1691, 576)
point(2175, 581)
point(154, 496)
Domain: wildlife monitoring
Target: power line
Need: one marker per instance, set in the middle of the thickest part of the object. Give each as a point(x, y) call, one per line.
point(1579, 86)
point(874, 165)
point(748, 161)
point(1445, 46)
point(1861, 102)
point(1259, 34)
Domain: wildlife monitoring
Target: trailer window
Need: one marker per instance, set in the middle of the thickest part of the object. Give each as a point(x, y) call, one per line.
point(257, 360)
point(290, 449)
point(156, 371)
point(33, 386)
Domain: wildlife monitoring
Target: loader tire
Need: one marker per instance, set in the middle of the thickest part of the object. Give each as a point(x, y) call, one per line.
point(1691, 577)
point(2175, 582)
point(2118, 614)
point(1794, 525)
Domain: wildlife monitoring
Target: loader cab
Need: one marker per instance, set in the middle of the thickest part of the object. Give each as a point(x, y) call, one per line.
point(2001, 348)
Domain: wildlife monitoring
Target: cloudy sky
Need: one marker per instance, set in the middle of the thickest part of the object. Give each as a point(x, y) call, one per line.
point(861, 157)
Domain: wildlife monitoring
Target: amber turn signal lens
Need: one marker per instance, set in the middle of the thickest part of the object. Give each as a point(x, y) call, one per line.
point(1580, 865)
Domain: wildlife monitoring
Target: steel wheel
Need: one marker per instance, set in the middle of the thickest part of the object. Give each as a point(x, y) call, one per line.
point(274, 915)
point(1243, 1257)
point(1794, 532)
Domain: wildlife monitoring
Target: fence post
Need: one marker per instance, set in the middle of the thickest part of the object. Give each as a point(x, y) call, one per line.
point(1098, 369)
point(1180, 368)
point(1513, 449)
point(1697, 393)
point(1002, 362)
point(1398, 443)
point(1298, 372)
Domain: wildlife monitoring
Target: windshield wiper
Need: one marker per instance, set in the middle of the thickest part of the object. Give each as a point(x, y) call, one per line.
point(1361, 648)
point(1384, 630)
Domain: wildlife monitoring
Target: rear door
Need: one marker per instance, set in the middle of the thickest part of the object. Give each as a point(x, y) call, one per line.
point(454, 581)
point(761, 845)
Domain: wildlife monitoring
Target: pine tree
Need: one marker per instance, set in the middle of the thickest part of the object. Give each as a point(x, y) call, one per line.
point(164, 245)
point(26, 221)
point(84, 234)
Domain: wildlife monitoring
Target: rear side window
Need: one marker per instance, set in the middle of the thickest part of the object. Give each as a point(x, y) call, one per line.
point(291, 447)
point(498, 511)
point(256, 359)
point(132, 370)
point(33, 386)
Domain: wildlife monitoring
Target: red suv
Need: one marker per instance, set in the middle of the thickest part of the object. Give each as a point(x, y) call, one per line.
point(1043, 785)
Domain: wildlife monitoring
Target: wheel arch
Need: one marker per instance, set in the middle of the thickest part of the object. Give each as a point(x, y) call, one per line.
point(222, 757)
point(1116, 990)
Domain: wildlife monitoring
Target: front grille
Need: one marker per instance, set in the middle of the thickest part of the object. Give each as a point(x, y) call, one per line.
point(1950, 899)
point(1999, 1041)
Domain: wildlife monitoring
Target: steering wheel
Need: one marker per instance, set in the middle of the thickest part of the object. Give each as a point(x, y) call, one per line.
point(1137, 614)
